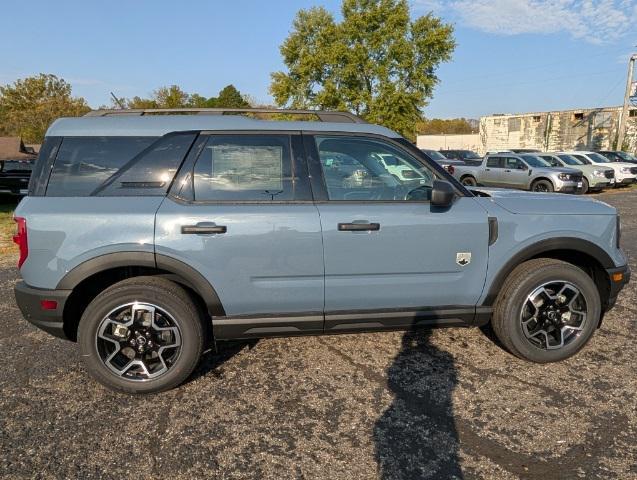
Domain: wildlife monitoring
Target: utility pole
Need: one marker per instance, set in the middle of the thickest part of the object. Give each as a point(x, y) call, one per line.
point(624, 118)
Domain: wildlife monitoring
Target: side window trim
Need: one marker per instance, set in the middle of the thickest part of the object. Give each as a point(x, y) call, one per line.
point(183, 189)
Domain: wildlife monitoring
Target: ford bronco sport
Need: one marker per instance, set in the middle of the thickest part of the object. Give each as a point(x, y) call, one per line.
point(146, 238)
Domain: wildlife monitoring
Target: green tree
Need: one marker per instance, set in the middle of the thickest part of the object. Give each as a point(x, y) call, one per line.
point(174, 97)
point(230, 97)
point(437, 126)
point(29, 105)
point(376, 62)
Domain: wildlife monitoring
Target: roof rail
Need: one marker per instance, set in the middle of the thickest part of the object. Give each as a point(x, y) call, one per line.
point(323, 116)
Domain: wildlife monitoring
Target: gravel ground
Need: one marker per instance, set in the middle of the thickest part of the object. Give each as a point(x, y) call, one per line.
point(435, 404)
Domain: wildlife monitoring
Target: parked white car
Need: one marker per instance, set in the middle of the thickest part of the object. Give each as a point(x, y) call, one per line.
point(625, 173)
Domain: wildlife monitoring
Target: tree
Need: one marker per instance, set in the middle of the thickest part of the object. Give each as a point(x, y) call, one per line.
point(436, 126)
point(174, 97)
point(230, 97)
point(163, 97)
point(29, 105)
point(376, 62)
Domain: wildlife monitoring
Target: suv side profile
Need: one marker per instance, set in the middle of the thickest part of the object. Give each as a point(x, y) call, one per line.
point(146, 238)
point(594, 179)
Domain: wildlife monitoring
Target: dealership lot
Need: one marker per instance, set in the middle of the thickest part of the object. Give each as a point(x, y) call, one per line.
point(433, 404)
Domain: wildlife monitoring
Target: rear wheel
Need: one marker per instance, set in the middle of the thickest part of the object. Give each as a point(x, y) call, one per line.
point(547, 311)
point(468, 181)
point(141, 335)
point(542, 186)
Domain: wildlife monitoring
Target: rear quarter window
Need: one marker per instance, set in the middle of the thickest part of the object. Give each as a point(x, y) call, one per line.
point(84, 163)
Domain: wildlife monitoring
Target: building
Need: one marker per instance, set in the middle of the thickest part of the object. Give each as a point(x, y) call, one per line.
point(469, 141)
point(12, 148)
point(584, 129)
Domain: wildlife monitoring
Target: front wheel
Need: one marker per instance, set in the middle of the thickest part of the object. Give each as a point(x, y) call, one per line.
point(542, 186)
point(547, 311)
point(141, 335)
point(585, 186)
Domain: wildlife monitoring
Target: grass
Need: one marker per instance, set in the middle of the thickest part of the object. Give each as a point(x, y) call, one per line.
point(7, 225)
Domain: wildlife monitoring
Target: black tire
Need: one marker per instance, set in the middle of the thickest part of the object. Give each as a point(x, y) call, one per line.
point(167, 296)
point(585, 186)
point(469, 181)
point(525, 279)
point(543, 186)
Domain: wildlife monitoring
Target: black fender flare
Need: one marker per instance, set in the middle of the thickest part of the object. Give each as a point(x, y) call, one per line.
point(570, 244)
point(182, 272)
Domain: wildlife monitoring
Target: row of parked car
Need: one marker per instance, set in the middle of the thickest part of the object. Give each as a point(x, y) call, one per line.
point(526, 169)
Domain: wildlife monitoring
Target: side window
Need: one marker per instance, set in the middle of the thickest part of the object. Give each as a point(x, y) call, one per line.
point(552, 160)
point(84, 163)
point(359, 169)
point(512, 163)
point(244, 168)
point(152, 171)
point(494, 162)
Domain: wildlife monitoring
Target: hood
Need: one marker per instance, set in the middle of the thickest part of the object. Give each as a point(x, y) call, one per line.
point(531, 203)
point(572, 171)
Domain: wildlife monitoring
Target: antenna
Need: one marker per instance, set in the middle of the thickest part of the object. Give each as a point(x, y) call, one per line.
point(118, 101)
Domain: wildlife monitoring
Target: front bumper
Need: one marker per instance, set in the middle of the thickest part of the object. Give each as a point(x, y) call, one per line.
point(623, 277)
point(567, 186)
point(29, 301)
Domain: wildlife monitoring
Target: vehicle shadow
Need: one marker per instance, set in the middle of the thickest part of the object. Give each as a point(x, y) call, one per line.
point(416, 437)
point(212, 360)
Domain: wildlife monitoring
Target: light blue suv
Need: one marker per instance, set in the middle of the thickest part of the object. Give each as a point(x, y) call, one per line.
point(146, 238)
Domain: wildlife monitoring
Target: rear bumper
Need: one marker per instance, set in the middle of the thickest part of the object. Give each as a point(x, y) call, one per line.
point(617, 286)
point(29, 301)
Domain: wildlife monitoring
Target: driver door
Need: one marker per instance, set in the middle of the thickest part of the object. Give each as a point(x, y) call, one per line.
point(386, 249)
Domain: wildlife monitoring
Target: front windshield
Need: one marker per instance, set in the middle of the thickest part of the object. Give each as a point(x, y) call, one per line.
point(626, 156)
point(570, 160)
point(437, 156)
point(468, 155)
point(535, 161)
point(597, 158)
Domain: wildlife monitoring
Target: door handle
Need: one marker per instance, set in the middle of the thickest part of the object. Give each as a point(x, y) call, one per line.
point(509, 171)
point(487, 169)
point(358, 227)
point(203, 229)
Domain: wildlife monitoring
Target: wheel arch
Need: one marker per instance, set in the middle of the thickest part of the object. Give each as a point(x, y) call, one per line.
point(582, 253)
point(539, 179)
point(89, 278)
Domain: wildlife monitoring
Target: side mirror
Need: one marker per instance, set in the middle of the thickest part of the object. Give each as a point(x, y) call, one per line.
point(442, 194)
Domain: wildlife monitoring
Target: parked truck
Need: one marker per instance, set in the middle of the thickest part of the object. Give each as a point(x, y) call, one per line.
point(520, 171)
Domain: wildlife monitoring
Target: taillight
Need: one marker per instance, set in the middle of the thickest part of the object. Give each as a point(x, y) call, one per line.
point(451, 169)
point(20, 238)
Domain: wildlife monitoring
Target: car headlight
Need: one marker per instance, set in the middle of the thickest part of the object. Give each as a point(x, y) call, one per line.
point(564, 176)
point(598, 173)
point(625, 170)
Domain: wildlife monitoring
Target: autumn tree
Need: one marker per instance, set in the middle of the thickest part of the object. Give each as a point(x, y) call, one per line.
point(30, 105)
point(377, 62)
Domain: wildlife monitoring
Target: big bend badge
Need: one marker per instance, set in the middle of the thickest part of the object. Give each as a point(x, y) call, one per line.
point(463, 259)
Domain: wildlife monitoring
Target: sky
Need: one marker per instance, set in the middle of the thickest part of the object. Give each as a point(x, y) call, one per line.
point(512, 55)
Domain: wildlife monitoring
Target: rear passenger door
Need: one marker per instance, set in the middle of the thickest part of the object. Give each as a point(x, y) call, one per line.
point(492, 174)
point(241, 213)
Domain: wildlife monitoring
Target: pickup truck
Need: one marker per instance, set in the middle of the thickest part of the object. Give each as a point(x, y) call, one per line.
point(521, 171)
point(14, 176)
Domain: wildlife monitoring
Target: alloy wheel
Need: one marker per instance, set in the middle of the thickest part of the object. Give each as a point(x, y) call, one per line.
point(138, 341)
point(553, 315)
